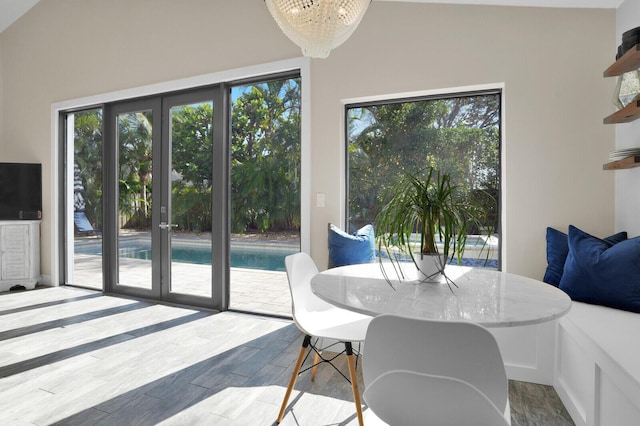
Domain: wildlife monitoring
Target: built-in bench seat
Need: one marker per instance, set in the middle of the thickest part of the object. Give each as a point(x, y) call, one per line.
point(598, 365)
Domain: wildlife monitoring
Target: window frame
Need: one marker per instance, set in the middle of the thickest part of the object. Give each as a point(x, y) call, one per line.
point(427, 95)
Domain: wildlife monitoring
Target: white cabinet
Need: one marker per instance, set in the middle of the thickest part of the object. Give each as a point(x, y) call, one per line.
point(19, 253)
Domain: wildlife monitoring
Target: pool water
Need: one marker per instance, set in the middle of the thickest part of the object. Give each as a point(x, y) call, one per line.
point(267, 259)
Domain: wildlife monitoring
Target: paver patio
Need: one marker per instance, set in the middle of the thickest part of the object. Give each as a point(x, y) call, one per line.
point(252, 290)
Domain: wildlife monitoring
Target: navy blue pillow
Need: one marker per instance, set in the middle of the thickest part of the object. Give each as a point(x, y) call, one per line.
point(345, 249)
point(598, 273)
point(558, 249)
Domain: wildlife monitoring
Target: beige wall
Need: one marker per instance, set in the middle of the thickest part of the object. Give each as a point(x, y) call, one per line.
point(549, 60)
point(627, 136)
point(551, 63)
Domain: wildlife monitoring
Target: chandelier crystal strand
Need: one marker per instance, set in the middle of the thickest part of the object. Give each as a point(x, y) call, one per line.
point(317, 26)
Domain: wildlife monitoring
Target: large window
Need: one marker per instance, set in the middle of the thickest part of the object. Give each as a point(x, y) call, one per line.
point(458, 134)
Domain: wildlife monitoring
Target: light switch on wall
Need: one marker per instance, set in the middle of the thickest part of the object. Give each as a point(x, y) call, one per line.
point(320, 199)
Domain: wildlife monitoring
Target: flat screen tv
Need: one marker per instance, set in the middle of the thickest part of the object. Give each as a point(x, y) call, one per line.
point(20, 191)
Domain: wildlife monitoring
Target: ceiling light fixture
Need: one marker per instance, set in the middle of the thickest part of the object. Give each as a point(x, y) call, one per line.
point(317, 26)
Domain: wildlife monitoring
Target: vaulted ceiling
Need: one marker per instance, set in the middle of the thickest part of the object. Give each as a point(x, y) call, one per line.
point(12, 10)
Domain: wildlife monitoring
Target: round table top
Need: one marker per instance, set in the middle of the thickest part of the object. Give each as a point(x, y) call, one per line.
point(487, 297)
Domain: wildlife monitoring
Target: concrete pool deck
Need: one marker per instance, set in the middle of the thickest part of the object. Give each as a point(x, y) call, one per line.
point(252, 290)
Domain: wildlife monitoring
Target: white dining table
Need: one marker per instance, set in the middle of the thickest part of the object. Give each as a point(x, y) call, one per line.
point(487, 297)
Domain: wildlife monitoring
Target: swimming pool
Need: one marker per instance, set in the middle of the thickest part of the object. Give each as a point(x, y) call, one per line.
point(246, 256)
point(262, 258)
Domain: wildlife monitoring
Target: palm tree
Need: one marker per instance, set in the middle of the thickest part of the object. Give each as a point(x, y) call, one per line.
point(135, 162)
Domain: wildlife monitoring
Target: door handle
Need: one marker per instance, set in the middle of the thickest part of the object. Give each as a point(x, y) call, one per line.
point(165, 225)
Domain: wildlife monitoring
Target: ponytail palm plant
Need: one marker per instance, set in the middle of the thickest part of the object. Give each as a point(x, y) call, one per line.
point(428, 206)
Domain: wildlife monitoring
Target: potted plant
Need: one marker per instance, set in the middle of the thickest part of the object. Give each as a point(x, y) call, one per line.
point(426, 221)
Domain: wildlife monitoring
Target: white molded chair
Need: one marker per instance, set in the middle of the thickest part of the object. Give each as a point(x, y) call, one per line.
point(460, 350)
point(319, 319)
point(401, 397)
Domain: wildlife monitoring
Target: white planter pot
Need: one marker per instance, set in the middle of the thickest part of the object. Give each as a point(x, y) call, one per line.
point(431, 265)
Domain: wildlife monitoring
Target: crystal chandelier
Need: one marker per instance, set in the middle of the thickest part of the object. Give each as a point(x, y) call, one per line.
point(317, 26)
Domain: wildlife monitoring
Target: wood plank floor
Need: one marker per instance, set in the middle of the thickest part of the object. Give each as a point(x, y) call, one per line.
point(75, 357)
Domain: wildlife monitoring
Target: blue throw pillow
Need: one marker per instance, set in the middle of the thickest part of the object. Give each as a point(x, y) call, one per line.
point(346, 249)
point(558, 249)
point(598, 273)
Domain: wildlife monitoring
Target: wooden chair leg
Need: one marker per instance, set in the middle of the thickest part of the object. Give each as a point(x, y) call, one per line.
point(354, 381)
point(316, 360)
point(294, 377)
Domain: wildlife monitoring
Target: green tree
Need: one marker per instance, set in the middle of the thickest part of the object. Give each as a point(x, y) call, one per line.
point(88, 156)
point(134, 137)
point(265, 158)
point(192, 143)
point(192, 161)
point(265, 153)
point(135, 168)
point(459, 136)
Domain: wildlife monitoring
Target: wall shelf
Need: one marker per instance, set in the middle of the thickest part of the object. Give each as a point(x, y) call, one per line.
point(625, 163)
point(628, 62)
point(626, 114)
